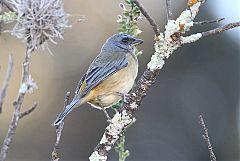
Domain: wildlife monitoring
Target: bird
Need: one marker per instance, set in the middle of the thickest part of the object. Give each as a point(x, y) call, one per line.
point(110, 76)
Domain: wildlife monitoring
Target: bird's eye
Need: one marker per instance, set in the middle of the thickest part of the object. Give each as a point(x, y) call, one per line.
point(125, 40)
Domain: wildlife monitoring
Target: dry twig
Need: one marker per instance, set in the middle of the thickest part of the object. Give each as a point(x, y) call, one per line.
point(207, 139)
point(169, 10)
point(8, 5)
point(221, 29)
point(28, 111)
point(59, 128)
point(148, 17)
point(208, 22)
point(17, 106)
point(6, 81)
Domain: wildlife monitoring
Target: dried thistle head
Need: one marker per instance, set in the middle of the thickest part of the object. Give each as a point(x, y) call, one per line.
point(39, 21)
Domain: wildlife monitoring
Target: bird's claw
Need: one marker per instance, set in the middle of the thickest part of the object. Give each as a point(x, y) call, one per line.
point(109, 119)
point(124, 96)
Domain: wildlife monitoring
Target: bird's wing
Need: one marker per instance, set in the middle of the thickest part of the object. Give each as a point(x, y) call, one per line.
point(101, 71)
point(80, 83)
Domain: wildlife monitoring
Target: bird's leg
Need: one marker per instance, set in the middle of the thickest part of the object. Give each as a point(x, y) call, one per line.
point(106, 114)
point(124, 96)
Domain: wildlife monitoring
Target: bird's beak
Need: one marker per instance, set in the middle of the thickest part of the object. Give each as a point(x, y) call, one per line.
point(137, 42)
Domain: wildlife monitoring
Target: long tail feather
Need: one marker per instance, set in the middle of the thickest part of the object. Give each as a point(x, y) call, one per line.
point(65, 112)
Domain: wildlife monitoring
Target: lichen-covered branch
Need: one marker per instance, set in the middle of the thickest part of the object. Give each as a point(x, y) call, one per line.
point(207, 139)
point(6, 81)
point(166, 43)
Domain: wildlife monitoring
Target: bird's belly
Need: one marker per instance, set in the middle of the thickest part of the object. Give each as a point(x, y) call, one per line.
point(107, 92)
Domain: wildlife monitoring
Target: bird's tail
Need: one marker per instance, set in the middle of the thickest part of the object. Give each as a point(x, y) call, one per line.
point(66, 111)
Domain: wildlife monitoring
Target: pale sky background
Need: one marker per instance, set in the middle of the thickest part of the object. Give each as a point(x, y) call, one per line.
point(226, 9)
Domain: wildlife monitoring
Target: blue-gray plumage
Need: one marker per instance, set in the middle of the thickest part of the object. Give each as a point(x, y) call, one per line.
point(112, 72)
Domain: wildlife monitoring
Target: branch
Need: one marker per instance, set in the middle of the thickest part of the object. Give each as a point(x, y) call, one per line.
point(1, 8)
point(28, 111)
point(6, 81)
point(148, 17)
point(221, 29)
point(9, 5)
point(17, 106)
point(196, 37)
point(200, 23)
point(59, 128)
point(166, 43)
point(169, 10)
point(207, 139)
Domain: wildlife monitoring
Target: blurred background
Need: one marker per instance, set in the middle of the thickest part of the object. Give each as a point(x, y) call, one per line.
point(200, 78)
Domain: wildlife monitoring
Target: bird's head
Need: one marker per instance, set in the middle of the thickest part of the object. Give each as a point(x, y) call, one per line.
point(121, 43)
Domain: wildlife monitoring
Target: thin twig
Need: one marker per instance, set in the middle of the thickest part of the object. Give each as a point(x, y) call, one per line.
point(220, 29)
point(207, 139)
point(17, 106)
point(6, 81)
point(8, 5)
point(59, 128)
point(148, 17)
point(169, 10)
point(28, 111)
point(1, 22)
point(200, 23)
point(55, 154)
point(67, 99)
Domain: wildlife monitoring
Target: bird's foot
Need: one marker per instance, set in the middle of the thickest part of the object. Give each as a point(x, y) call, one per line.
point(124, 96)
point(109, 119)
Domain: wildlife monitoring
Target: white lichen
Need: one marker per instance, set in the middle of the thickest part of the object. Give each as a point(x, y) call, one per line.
point(195, 8)
point(28, 86)
point(163, 49)
point(183, 23)
point(185, 19)
point(170, 28)
point(190, 39)
point(166, 44)
point(96, 157)
point(133, 105)
point(156, 62)
point(118, 123)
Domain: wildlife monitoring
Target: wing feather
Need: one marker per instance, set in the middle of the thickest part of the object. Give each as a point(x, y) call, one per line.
point(99, 73)
point(79, 85)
